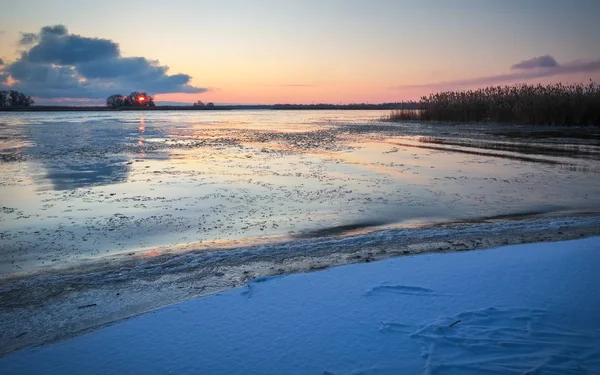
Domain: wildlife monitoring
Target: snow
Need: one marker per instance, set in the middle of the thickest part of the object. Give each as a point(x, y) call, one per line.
point(517, 309)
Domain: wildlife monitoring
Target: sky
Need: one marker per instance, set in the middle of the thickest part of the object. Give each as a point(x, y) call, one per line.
point(268, 51)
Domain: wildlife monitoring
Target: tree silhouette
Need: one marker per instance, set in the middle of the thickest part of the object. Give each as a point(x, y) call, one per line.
point(135, 99)
point(115, 101)
point(12, 99)
point(140, 99)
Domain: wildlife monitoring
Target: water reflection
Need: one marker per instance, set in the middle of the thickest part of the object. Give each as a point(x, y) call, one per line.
point(70, 177)
point(528, 148)
point(90, 154)
point(256, 176)
point(576, 158)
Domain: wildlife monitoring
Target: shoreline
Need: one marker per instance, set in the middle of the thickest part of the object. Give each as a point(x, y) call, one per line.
point(42, 108)
point(412, 315)
point(52, 307)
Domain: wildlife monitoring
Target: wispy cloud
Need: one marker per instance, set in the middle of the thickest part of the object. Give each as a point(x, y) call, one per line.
point(538, 67)
point(28, 39)
point(545, 61)
point(57, 64)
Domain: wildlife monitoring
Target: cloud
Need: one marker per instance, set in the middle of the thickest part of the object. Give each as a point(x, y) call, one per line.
point(545, 61)
point(539, 67)
point(59, 30)
point(3, 74)
point(28, 39)
point(70, 49)
point(123, 67)
point(63, 65)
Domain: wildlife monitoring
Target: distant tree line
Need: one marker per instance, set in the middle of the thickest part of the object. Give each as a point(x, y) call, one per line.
point(14, 99)
point(135, 99)
point(357, 106)
point(200, 103)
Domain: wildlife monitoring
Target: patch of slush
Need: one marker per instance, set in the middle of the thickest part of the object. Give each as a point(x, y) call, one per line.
point(517, 309)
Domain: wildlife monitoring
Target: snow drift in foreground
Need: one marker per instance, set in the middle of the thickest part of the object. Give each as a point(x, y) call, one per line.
point(517, 309)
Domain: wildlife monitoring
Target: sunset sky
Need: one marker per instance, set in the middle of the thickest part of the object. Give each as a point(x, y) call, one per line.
point(73, 51)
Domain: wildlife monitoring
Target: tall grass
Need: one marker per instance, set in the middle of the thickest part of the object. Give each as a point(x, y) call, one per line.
point(404, 115)
point(554, 104)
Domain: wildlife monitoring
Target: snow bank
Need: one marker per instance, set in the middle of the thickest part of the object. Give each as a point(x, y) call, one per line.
point(517, 309)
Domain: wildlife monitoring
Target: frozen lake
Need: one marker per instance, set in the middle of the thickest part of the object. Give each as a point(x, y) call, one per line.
point(81, 186)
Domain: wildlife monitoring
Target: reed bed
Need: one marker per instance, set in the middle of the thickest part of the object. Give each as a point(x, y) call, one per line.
point(403, 115)
point(554, 104)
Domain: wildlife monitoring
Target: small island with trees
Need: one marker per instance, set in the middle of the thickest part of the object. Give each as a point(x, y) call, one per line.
point(135, 99)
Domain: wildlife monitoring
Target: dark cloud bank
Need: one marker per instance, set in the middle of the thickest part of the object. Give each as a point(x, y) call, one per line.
point(537, 67)
point(57, 64)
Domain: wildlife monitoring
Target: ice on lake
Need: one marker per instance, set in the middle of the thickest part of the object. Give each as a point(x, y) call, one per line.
point(80, 186)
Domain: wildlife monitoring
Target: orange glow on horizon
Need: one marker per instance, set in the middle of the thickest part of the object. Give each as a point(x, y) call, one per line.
point(343, 94)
